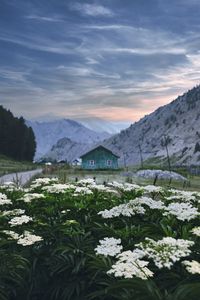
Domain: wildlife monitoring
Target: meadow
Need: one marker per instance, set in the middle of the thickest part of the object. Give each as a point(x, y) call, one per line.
point(67, 173)
point(84, 241)
point(8, 165)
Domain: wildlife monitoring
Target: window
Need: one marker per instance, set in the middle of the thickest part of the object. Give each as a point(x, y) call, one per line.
point(109, 162)
point(91, 162)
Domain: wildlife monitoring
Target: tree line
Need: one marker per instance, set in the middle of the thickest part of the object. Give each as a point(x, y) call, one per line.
point(17, 140)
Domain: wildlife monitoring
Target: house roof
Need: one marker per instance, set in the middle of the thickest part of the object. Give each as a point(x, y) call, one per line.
point(100, 146)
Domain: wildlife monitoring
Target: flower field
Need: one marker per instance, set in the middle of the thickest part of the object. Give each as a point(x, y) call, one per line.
point(80, 241)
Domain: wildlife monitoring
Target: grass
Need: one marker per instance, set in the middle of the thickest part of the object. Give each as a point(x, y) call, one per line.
point(8, 165)
point(66, 174)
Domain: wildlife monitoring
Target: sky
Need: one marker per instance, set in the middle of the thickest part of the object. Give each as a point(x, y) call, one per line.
point(116, 60)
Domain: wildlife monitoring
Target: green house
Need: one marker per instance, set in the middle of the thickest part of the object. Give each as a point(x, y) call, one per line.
point(99, 158)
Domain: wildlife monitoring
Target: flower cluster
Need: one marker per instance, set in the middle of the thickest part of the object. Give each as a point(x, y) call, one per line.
point(109, 247)
point(126, 187)
point(4, 200)
point(165, 252)
point(87, 182)
point(29, 197)
point(57, 188)
point(14, 212)
point(129, 265)
point(103, 188)
point(28, 239)
point(182, 211)
point(25, 239)
point(116, 184)
point(84, 190)
point(152, 189)
point(192, 266)
point(20, 220)
point(12, 235)
point(196, 230)
point(10, 186)
point(42, 181)
point(131, 208)
point(153, 204)
point(182, 196)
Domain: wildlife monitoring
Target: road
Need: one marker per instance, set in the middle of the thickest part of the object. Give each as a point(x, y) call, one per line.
point(20, 178)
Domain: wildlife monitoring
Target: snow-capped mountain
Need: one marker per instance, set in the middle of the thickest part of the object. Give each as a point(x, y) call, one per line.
point(174, 127)
point(48, 133)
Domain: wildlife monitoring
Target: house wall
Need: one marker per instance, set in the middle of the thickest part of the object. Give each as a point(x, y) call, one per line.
point(100, 157)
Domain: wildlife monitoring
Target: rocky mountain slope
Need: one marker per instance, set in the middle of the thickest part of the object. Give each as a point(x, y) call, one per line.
point(174, 127)
point(49, 133)
point(66, 150)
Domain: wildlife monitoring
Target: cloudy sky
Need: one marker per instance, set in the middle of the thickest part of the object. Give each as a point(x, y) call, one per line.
point(113, 59)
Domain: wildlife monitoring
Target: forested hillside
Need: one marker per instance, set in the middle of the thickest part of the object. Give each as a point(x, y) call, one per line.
point(16, 139)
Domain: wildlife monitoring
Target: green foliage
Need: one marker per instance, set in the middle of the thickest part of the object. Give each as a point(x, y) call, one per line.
point(64, 266)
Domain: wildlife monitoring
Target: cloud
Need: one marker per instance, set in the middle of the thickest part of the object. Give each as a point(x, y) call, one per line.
point(83, 72)
point(43, 18)
point(40, 44)
point(115, 68)
point(92, 10)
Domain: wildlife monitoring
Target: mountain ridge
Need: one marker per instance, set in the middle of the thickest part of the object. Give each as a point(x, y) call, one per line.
point(49, 133)
point(176, 123)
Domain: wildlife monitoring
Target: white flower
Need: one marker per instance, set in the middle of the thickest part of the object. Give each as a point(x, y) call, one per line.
point(183, 196)
point(152, 189)
point(128, 187)
point(130, 265)
point(167, 251)
point(29, 197)
point(14, 212)
point(58, 188)
point(192, 266)
point(182, 211)
point(24, 239)
point(196, 231)
point(109, 247)
point(103, 188)
point(20, 220)
point(28, 239)
point(13, 235)
point(86, 182)
point(131, 208)
point(42, 181)
point(153, 204)
point(82, 190)
point(4, 200)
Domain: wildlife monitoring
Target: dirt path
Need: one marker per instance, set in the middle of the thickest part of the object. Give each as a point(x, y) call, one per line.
point(21, 177)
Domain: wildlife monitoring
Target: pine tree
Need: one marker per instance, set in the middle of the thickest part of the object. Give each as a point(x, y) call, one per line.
point(16, 139)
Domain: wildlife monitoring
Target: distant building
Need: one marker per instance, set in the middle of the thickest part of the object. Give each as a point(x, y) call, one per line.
point(76, 162)
point(99, 158)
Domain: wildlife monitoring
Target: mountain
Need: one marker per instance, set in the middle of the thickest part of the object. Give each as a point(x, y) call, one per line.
point(49, 133)
point(101, 125)
point(174, 127)
point(66, 150)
